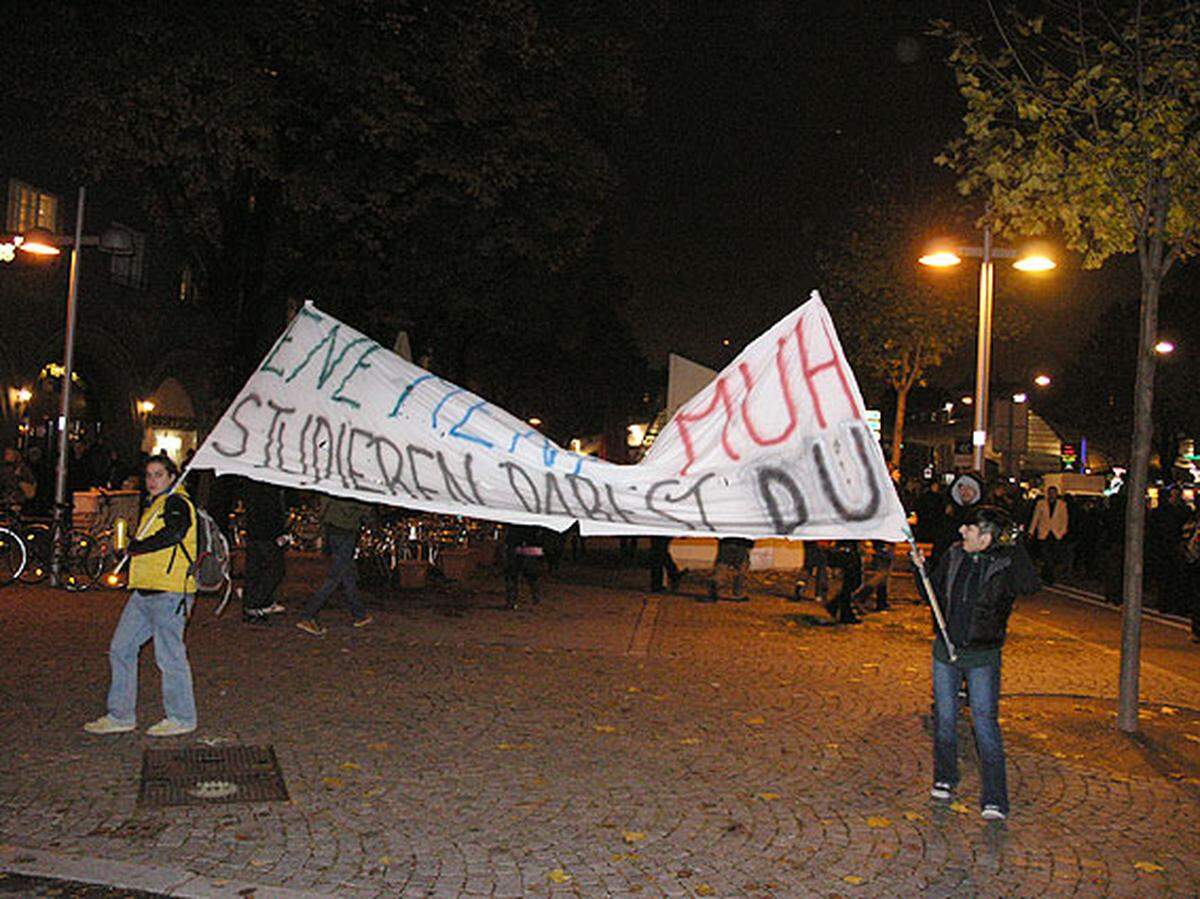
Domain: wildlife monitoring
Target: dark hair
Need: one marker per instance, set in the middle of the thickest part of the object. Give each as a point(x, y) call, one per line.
point(991, 520)
point(166, 462)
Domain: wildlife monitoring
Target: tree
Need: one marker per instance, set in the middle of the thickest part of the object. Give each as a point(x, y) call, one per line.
point(898, 322)
point(364, 153)
point(1087, 119)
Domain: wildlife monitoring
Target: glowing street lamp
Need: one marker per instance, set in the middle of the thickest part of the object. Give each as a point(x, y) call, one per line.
point(1164, 347)
point(1020, 397)
point(1042, 380)
point(944, 257)
point(40, 242)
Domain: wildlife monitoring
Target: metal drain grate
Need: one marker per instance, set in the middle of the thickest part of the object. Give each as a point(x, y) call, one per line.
point(204, 775)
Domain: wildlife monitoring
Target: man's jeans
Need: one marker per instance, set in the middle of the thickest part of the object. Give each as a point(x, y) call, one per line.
point(983, 685)
point(156, 616)
point(342, 571)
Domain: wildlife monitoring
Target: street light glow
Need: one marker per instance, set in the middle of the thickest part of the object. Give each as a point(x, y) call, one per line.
point(967, 400)
point(940, 259)
point(1035, 263)
point(1164, 347)
point(1020, 397)
point(24, 395)
point(1042, 380)
point(39, 242)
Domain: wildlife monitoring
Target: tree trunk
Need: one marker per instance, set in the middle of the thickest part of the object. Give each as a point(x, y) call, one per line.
point(1135, 507)
point(898, 425)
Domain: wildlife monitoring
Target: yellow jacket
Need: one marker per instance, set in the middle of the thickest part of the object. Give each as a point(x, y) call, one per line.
point(165, 568)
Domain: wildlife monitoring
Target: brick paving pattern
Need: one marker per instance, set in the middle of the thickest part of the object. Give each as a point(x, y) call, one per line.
point(607, 743)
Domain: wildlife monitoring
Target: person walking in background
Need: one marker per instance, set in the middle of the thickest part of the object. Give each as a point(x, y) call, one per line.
point(1049, 527)
point(158, 610)
point(729, 571)
point(266, 536)
point(975, 584)
point(341, 518)
point(524, 553)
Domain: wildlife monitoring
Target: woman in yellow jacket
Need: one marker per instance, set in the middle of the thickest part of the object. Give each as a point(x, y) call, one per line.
point(158, 609)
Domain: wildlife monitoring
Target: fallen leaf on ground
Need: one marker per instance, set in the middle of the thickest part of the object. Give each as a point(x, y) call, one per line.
point(512, 747)
point(960, 808)
point(381, 746)
point(879, 821)
point(854, 879)
point(1149, 867)
point(633, 836)
point(690, 741)
point(1192, 737)
point(618, 857)
point(913, 816)
point(373, 792)
point(703, 889)
point(1167, 710)
point(767, 797)
point(833, 745)
point(350, 766)
point(633, 689)
point(385, 860)
point(332, 782)
point(1040, 736)
point(259, 862)
point(558, 875)
point(755, 720)
point(604, 728)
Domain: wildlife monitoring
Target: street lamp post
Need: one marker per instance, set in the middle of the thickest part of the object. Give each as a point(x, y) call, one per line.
point(42, 243)
point(986, 255)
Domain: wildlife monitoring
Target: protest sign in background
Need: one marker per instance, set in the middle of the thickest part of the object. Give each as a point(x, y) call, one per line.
point(776, 445)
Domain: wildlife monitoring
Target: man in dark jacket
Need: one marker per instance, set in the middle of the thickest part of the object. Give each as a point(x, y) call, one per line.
point(342, 519)
point(976, 583)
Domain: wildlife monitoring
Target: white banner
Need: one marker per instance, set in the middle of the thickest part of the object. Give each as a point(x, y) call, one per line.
point(776, 446)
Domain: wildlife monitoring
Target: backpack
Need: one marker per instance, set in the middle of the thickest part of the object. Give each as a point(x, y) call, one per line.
point(210, 569)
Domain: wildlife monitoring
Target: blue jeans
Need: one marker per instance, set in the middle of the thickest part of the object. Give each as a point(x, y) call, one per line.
point(983, 685)
point(342, 571)
point(156, 616)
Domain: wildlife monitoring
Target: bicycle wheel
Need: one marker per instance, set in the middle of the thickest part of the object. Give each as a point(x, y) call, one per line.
point(100, 560)
point(77, 546)
point(37, 543)
point(12, 556)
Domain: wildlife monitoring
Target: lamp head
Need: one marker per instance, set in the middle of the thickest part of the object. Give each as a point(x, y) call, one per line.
point(116, 242)
point(39, 242)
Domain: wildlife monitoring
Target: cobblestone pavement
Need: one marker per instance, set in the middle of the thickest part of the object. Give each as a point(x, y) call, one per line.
point(606, 742)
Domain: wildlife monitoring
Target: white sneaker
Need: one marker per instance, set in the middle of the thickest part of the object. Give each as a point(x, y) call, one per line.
point(941, 790)
point(273, 609)
point(992, 813)
point(107, 724)
point(169, 727)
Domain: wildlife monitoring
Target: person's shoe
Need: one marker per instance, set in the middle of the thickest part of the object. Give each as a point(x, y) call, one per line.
point(310, 626)
point(992, 813)
point(884, 606)
point(675, 581)
point(255, 617)
point(274, 609)
point(364, 621)
point(169, 727)
point(941, 790)
point(107, 724)
point(739, 599)
point(850, 619)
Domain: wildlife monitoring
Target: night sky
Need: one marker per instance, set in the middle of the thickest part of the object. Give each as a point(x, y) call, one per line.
point(766, 124)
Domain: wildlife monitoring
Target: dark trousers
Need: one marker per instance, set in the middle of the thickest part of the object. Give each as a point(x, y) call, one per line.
point(342, 573)
point(851, 564)
point(517, 567)
point(264, 573)
point(660, 562)
point(1048, 550)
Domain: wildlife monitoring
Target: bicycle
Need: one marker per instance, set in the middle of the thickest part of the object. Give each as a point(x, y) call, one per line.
point(13, 556)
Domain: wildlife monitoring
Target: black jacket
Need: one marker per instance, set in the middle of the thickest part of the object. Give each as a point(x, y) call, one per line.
point(1007, 574)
